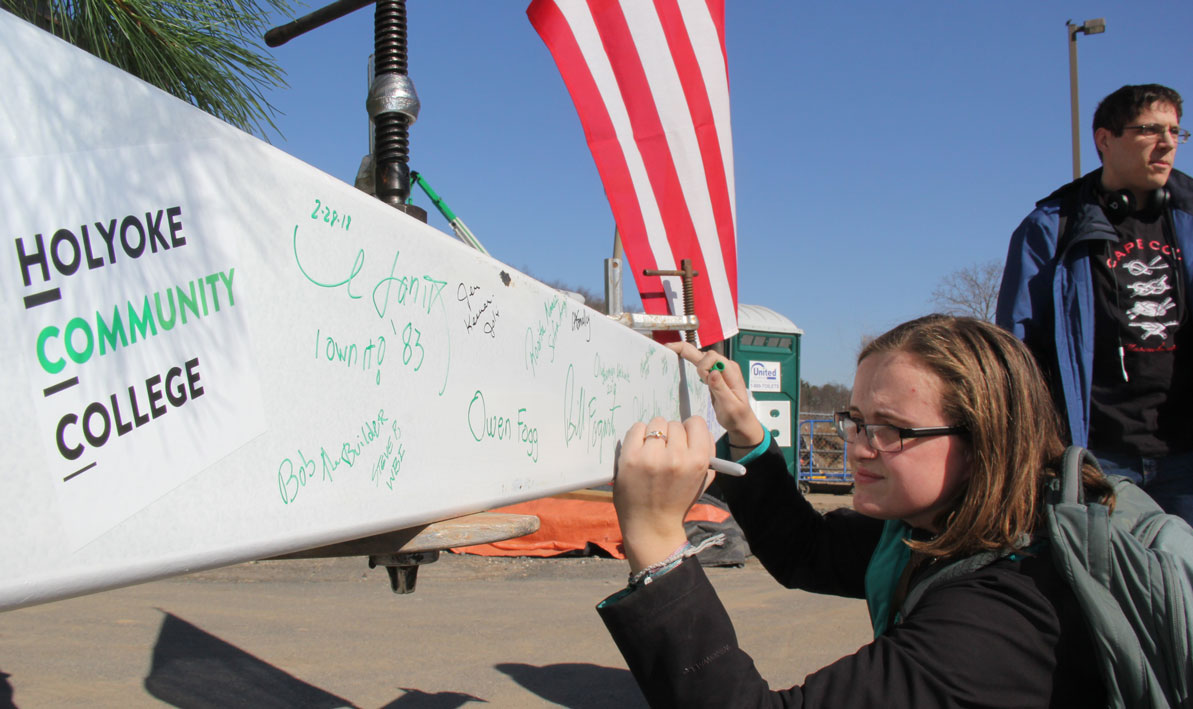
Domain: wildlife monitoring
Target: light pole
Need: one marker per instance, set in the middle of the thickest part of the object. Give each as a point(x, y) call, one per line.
point(1096, 26)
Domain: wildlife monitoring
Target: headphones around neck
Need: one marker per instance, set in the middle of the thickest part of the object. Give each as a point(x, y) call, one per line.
point(1121, 204)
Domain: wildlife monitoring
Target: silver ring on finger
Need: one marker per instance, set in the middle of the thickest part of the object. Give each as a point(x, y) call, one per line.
point(655, 434)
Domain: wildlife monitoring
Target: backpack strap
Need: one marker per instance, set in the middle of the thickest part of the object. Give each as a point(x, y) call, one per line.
point(1072, 491)
point(1097, 536)
point(945, 572)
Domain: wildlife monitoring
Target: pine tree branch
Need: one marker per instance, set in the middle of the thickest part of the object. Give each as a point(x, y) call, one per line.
point(206, 52)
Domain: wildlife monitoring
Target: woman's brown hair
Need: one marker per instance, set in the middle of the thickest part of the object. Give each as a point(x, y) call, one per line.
point(992, 386)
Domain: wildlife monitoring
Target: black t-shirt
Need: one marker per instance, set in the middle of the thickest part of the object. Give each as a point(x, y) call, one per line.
point(1140, 399)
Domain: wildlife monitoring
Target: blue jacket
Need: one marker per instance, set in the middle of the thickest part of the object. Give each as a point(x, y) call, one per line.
point(1047, 295)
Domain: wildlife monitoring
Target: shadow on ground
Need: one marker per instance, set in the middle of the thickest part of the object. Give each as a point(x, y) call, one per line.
point(418, 699)
point(6, 692)
point(578, 685)
point(193, 669)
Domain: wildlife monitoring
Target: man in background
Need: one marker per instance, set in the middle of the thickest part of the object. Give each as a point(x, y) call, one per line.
point(1097, 285)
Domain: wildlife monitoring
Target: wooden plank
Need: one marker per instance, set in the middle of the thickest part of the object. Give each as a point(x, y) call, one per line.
point(589, 495)
point(480, 528)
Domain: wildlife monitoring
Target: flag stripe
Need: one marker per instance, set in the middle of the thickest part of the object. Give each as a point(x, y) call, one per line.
point(631, 59)
point(635, 196)
point(613, 163)
point(640, 74)
point(707, 28)
point(716, 236)
point(618, 139)
point(663, 123)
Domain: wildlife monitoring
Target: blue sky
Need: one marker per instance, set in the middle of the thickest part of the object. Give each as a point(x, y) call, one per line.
point(879, 146)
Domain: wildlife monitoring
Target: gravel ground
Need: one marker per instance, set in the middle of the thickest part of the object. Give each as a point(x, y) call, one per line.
point(505, 632)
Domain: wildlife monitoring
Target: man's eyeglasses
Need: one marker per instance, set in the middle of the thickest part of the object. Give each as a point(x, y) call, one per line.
point(1153, 130)
point(885, 437)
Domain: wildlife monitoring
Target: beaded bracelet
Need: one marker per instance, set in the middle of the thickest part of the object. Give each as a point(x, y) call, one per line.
point(646, 575)
point(650, 573)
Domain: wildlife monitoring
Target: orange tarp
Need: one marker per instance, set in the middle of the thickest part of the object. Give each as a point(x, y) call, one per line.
point(571, 522)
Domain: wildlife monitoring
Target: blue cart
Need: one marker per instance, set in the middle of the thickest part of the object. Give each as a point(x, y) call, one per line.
point(822, 457)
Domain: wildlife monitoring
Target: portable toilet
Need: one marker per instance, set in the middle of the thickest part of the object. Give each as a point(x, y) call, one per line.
point(766, 348)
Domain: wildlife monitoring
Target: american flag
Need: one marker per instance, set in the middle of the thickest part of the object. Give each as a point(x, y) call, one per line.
point(651, 85)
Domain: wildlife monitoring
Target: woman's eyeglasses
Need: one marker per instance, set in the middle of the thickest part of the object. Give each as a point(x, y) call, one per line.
point(885, 437)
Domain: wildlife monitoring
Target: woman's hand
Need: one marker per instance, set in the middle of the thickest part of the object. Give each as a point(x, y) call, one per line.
point(730, 398)
point(662, 470)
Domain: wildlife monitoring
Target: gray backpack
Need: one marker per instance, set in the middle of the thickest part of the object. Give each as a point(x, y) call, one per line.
point(1132, 574)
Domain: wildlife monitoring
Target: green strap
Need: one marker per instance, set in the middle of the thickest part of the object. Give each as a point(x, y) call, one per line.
point(448, 214)
point(882, 574)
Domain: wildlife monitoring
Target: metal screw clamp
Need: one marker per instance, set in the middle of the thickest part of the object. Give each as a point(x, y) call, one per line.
point(393, 93)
